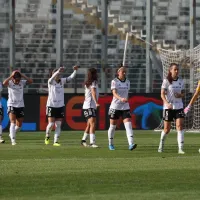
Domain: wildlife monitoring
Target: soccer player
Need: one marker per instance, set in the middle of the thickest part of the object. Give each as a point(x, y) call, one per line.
point(89, 107)
point(172, 92)
point(119, 107)
point(15, 103)
point(194, 98)
point(55, 103)
point(1, 116)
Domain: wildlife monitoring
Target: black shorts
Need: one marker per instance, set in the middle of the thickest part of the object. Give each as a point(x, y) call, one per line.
point(1, 112)
point(88, 113)
point(116, 114)
point(169, 114)
point(55, 112)
point(19, 112)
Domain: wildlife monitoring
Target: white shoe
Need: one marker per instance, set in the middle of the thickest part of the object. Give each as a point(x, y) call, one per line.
point(180, 151)
point(199, 150)
point(14, 143)
point(94, 146)
point(83, 143)
point(2, 140)
point(160, 150)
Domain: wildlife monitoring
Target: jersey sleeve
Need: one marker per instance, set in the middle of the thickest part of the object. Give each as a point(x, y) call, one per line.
point(94, 85)
point(165, 84)
point(24, 82)
point(113, 85)
point(198, 87)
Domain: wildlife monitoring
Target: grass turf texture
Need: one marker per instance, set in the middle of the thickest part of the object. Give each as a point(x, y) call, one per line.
point(32, 170)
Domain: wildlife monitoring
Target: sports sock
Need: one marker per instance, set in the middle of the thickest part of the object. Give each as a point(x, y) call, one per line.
point(180, 139)
point(49, 128)
point(57, 131)
point(111, 133)
point(129, 132)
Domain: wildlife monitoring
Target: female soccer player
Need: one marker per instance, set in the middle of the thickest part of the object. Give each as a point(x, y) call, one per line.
point(55, 102)
point(120, 108)
point(1, 116)
point(15, 103)
point(89, 106)
point(194, 98)
point(172, 94)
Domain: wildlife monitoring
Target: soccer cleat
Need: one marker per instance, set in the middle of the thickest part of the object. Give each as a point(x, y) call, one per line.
point(47, 141)
point(160, 150)
point(2, 141)
point(132, 146)
point(180, 151)
point(111, 147)
point(83, 143)
point(56, 144)
point(94, 146)
point(14, 143)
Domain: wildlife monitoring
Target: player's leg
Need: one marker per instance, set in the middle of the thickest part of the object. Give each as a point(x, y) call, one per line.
point(1, 116)
point(85, 135)
point(87, 129)
point(12, 134)
point(58, 122)
point(19, 119)
point(51, 121)
point(92, 123)
point(180, 131)
point(168, 118)
point(126, 116)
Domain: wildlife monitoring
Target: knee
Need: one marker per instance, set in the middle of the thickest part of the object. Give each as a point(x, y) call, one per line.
point(166, 130)
point(112, 127)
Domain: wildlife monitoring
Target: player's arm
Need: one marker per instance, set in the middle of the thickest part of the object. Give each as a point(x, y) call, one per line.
point(163, 92)
point(61, 69)
point(6, 81)
point(115, 94)
point(73, 75)
point(93, 91)
point(192, 101)
point(29, 80)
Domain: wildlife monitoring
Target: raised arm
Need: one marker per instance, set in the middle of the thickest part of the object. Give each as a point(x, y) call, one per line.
point(72, 76)
point(29, 80)
point(6, 81)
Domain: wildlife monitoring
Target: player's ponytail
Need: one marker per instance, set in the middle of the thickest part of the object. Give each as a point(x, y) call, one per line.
point(91, 77)
point(169, 75)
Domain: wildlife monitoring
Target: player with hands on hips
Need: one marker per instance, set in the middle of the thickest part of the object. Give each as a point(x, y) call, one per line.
point(55, 102)
point(119, 107)
point(172, 92)
point(16, 83)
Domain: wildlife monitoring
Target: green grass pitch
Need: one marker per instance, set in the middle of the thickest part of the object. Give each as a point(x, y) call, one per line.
point(31, 170)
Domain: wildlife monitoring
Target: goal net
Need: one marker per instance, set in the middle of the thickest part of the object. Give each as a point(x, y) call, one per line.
point(189, 65)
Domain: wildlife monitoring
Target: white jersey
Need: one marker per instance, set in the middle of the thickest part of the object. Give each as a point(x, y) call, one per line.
point(16, 94)
point(1, 88)
point(56, 93)
point(122, 88)
point(176, 87)
point(89, 101)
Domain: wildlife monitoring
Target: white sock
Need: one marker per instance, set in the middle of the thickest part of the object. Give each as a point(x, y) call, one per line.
point(129, 132)
point(0, 131)
point(17, 129)
point(162, 139)
point(92, 138)
point(12, 132)
point(111, 133)
point(49, 128)
point(85, 136)
point(180, 139)
point(57, 131)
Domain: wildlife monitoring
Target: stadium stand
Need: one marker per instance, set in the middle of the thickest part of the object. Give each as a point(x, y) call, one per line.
point(36, 30)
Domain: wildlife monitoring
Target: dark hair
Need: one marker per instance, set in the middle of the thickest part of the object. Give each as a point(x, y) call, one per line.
point(17, 75)
point(117, 70)
point(91, 76)
point(169, 75)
